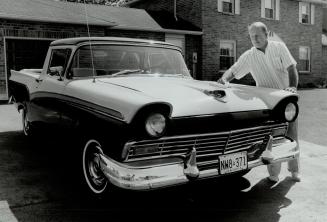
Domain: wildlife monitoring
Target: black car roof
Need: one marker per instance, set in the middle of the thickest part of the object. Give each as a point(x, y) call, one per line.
point(75, 41)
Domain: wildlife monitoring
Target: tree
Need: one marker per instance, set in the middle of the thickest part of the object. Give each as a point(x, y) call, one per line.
point(116, 3)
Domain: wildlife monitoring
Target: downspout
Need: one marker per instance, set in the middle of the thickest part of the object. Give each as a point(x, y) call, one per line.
point(175, 9)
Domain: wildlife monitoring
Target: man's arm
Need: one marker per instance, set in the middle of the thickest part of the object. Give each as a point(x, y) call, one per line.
point(226, 77)
point(293, 78)
point(238, 69)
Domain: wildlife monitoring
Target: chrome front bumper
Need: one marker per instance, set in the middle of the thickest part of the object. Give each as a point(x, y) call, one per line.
point(163, 175)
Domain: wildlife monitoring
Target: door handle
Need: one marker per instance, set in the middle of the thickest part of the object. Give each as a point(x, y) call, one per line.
point(38, 80)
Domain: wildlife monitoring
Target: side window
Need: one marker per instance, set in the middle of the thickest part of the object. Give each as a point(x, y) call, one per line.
point(227, 54)
point(58, 61)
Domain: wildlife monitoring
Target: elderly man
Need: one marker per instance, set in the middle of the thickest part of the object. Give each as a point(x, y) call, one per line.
point(271, 65)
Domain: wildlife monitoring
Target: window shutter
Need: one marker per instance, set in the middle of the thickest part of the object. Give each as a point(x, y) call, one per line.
point(312, 14)
point(220, 5)
point(237, 7)
point(277, 9)
point(300, 12)
point(263, 9)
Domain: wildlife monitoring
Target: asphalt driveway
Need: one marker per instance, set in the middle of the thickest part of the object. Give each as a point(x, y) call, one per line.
point(36, 186)
point(313, 116)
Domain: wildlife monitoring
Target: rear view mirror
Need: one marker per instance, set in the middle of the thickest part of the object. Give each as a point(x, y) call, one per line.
point(56, 70)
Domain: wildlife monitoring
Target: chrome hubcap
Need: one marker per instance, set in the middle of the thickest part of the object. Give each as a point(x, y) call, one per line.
point(94, 169)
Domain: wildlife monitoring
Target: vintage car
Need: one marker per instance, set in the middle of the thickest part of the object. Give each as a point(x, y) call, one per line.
point(144, 121)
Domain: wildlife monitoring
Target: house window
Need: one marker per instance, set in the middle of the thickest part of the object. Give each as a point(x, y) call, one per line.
point(227, 54)
point(304, 57)
point(229, 6)
point(306, 13)
point(270, 9)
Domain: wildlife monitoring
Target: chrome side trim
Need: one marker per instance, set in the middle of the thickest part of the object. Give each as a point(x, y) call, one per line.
point(80, 104)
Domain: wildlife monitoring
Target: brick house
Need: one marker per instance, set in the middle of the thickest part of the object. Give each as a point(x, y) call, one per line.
point(225, 36)
point(324, 42)
point(28, 26)
point(324, 55)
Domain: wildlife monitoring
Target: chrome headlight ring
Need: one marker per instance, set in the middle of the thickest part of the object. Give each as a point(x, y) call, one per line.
point(155, 124)
point(291, 111)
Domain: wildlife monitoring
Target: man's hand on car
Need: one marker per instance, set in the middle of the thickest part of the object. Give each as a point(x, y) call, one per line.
point(291, 89)
point(222, 81)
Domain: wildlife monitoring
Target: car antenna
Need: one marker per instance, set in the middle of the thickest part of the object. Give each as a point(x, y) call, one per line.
point(89, 35)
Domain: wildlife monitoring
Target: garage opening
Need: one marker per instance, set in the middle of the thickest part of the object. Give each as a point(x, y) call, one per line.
point(25, 54)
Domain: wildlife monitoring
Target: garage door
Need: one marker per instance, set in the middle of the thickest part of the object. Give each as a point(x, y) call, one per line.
point(26, 54)
point(23, 54)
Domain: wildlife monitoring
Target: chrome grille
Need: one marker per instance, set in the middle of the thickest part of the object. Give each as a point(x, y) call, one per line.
point(208, 146)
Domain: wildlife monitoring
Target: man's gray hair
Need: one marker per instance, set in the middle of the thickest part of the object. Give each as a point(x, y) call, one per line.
point(259, 25)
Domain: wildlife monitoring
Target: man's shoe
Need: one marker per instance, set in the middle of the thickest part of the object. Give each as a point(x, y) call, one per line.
point(296, 177)
point(273, 179)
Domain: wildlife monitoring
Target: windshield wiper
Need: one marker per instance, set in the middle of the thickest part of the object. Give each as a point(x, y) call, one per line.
point(126, 71)
point(172, 75)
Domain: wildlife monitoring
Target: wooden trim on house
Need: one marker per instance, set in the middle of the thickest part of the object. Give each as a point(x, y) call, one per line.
point(36, 34)
point(315, 1)
point(132, 2)
point(5, 96)
point(29, 38)
point(172, 31)
point(5, 61)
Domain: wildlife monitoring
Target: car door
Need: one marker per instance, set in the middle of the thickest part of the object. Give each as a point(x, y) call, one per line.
point(46, 101)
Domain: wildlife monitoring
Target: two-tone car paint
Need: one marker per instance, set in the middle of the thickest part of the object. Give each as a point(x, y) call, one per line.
point(117, 106)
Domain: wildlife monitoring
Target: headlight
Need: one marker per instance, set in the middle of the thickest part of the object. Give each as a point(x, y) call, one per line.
point(291, 111)
point(155, 125)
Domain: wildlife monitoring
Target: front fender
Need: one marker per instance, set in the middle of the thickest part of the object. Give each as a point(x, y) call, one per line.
point(271, 97)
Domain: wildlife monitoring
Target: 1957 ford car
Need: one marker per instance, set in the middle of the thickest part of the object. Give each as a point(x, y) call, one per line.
point(146, 123)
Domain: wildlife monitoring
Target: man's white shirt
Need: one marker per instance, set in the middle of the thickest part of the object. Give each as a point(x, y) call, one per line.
point(269, 68)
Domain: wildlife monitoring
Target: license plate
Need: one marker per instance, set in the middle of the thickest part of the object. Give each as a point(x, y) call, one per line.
point(232, 162)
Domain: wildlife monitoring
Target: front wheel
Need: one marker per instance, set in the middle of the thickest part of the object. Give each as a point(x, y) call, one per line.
point(93, 175)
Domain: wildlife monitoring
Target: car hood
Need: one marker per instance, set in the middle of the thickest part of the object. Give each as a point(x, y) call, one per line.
point(190, 97)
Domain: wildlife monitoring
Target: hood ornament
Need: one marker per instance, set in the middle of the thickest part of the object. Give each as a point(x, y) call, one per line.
point(217, 94)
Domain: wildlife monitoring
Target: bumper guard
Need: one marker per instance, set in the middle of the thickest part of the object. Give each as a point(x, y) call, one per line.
point(158, 176)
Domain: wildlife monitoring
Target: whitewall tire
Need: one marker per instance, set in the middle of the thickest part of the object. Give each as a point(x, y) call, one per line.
point(93, 175)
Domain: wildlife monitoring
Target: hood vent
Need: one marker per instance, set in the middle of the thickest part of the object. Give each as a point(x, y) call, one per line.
point(219, 95)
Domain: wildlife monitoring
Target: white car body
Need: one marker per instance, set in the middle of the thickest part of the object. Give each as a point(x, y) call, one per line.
point(191, 111)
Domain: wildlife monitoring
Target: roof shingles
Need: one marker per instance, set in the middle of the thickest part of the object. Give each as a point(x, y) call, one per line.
point(75, 13)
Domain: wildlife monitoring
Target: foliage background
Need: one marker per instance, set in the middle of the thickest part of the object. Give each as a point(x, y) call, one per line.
point(117, 3)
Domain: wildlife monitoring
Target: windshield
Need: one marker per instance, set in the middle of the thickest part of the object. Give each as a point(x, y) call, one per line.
point(117, 60)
